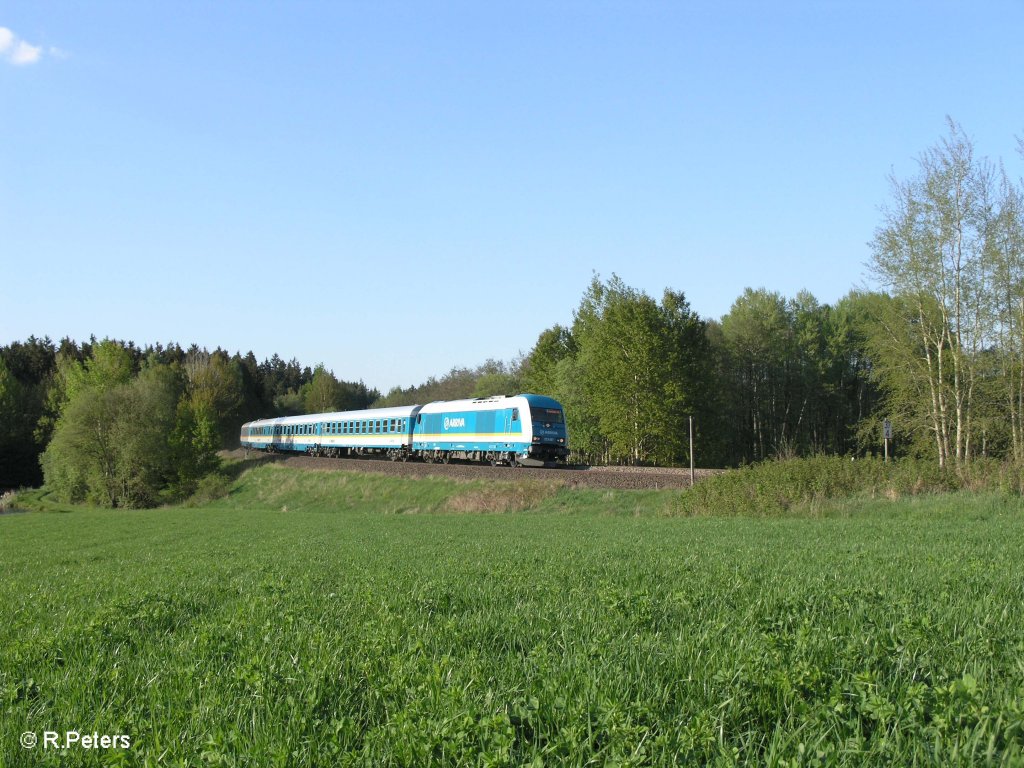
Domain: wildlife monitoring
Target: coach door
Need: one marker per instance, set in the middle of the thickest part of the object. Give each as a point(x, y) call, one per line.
point(512, 424)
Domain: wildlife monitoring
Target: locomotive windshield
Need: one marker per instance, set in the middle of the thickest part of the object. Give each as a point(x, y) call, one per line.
point(547, 415)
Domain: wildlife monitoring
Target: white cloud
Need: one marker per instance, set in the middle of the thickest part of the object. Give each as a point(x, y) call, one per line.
point(17, 51)
point(24, 53)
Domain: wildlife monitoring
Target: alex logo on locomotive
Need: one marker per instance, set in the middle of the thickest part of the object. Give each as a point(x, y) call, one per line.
point(454, 423)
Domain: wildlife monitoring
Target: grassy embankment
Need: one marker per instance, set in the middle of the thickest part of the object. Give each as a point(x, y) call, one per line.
point(314, 618)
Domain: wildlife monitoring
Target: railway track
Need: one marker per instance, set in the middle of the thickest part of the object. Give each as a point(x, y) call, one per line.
point(629, 478)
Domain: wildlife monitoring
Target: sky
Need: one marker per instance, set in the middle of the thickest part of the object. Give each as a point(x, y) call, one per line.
point(393, 189)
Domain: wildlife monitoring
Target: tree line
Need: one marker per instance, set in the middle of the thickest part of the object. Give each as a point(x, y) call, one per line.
point(938, 349)
point(119, 425)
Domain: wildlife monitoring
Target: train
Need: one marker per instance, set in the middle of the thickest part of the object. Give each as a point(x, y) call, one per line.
point(519, 430)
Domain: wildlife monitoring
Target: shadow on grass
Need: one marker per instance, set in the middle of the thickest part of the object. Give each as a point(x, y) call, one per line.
point(233, 466)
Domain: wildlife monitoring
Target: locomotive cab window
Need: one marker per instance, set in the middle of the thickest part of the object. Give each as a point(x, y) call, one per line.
point(549, 415)
point(515, 414)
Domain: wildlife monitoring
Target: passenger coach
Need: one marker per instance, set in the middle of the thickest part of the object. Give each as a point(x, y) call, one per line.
point(525, 429)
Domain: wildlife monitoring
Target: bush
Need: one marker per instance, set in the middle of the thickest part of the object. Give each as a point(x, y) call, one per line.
point(776, 487)
point(8, 500)
point(210, 488)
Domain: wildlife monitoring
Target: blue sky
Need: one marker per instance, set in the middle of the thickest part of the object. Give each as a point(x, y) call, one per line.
point(396, 188)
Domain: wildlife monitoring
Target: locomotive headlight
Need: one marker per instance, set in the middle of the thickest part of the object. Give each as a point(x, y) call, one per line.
point(561, 439)
point(536, 438)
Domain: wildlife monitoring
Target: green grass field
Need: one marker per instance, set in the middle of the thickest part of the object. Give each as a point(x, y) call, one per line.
point(320, 619)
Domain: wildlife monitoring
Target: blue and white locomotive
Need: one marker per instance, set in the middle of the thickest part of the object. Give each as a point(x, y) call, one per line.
point(525, 429)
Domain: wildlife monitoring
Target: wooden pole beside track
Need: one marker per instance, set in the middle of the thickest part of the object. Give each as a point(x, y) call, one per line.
point(691, 451)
